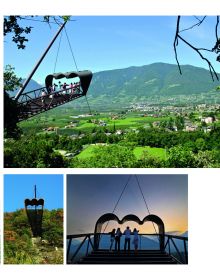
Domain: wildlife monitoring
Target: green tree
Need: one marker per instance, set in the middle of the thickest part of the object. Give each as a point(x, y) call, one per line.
point(207, 159)
point(107, 157)
point(192, 117)
point(180, 157)
point(163, 124)
point(35, 151)
point(179, 122)
point(200, 144)
point(13, 25)
point(11, 108)
point(11, 117)
point(148, 161)
point(170, 123)
point(11, 81)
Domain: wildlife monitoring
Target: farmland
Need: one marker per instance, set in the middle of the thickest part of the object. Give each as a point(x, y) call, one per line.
point(142, 136)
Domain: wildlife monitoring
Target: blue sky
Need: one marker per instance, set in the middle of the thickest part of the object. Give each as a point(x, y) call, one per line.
point(90, 196)
point(19, 187)
point(110, 42)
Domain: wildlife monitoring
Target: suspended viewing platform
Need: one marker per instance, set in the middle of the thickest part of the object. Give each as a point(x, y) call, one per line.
point(43, 99)
point(131, 240)
point(94, 248)
point(46, 98)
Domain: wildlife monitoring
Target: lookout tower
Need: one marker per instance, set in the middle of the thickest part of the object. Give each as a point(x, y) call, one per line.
point(34, 209)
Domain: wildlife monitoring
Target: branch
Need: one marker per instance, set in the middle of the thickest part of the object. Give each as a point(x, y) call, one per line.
point(211, 68)
point(216, 29)
point(196, 24)
point(203, 49)
point(198, 50)
point(175, 43)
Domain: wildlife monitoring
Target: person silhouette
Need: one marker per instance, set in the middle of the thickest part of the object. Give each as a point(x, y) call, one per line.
point(118, 235)
point(127, 234)
point(54, 87)
point(112, 238)
point(60, 85)
point(135, 240)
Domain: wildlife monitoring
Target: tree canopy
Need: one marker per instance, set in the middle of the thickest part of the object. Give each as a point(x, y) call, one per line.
point(12, 25)
point(18, 246)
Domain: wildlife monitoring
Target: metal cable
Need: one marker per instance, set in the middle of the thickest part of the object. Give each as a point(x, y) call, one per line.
point(58, 50)
point(71, 49)
point(145, 201)
point(118, 200)
point(88, 105)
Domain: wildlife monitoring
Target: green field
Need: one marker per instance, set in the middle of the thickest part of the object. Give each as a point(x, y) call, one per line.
point(84, 124)
point(90, 151)
point(155, 152)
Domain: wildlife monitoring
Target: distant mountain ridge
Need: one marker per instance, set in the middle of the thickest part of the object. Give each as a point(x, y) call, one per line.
point(153, 79)
point(179, 233)
point(32, 85)
point(137, 83)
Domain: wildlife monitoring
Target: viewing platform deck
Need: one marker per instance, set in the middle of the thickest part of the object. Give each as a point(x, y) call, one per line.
point(128, 257)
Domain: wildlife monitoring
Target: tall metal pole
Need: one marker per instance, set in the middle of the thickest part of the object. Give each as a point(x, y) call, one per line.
point(39, 62)
point(35, 195)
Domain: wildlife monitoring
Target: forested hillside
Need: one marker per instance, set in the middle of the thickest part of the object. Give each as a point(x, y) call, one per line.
point(154, 79)
point(18, 245)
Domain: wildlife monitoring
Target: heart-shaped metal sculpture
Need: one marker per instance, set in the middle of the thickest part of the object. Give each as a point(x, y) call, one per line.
point(112, 217)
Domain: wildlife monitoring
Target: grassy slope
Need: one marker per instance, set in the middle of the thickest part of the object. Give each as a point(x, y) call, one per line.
point(155, 152)
point(90, 150)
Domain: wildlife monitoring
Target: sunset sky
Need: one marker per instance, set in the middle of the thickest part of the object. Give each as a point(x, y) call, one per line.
point(90, 196)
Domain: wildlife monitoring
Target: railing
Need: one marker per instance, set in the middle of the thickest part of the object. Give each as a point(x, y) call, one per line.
point(33, 94)
point(87, 237)
point(32, 103)
point(37, 94)
point(87, 244)
point(172, 247)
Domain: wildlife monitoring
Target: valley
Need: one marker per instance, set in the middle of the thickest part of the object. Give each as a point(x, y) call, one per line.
point(149, 122)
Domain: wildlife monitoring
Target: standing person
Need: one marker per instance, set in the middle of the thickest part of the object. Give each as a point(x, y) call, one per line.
point(43, 96)
point(54, 87)
point(127, 234)
point(65, 88)
point(118, 235)
point(135, 240)
point(71, 88)
point(112, 238)
point(50, 89)
point(60, 85)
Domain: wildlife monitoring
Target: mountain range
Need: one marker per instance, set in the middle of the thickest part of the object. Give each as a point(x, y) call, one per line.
point(32, 85)
point(136, 84)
